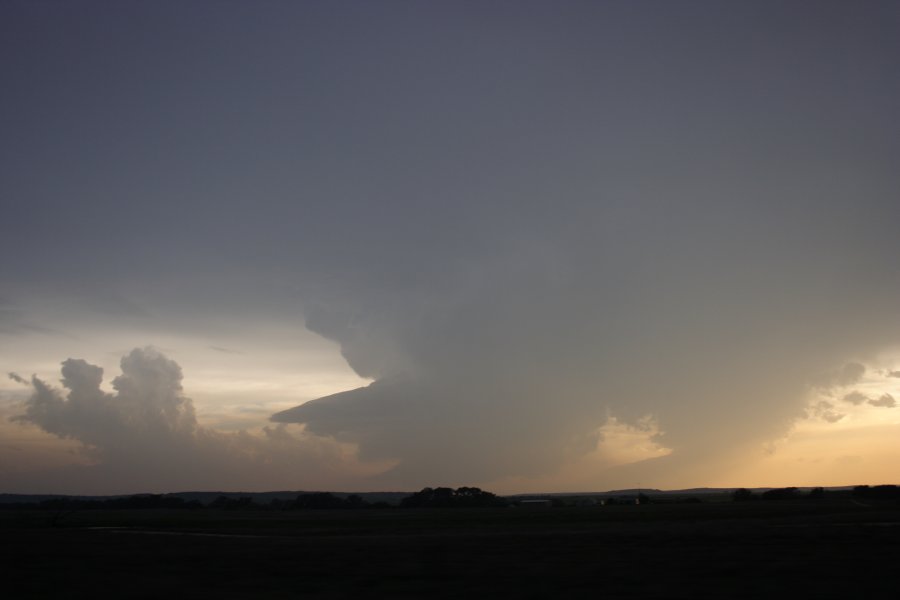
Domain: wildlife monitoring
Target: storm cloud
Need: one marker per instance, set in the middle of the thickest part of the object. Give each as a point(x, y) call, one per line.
point(522, 221)
point(706, 290)
point(146, 436)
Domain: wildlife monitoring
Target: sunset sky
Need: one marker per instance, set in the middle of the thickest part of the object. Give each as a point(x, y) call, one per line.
point(528, 246)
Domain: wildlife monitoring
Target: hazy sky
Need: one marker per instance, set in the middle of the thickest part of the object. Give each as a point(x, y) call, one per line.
point(529, 246)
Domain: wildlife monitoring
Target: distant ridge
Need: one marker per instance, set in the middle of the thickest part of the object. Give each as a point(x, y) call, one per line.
point(654, 491)
point(387, 497)
point(207, 497)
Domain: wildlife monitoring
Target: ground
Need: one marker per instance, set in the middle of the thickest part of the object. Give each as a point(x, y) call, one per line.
point(825, 549)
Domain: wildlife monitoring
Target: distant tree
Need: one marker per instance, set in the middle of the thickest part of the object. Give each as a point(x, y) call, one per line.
point(742, 495)
point(787, 493)
point(137, 501)
point(280, 504)
point(219, 502)
point(144, 501)
point(444, 497)
point(877, 492)
point(318, 501)
point(886, 492)
point(816, 493)
point(354, 501)
point(226, 503)
point(468, 492)
point(473, 496)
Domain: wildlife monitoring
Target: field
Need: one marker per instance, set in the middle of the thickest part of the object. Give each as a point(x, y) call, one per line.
point(833, 548)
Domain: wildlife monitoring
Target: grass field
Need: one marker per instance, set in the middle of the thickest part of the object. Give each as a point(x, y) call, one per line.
point(834, 548)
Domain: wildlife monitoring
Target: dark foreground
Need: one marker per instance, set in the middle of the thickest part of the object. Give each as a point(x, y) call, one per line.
point(827, 549)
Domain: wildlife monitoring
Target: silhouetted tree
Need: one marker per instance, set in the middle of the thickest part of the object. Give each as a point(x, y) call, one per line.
point(877, 492)
point(137, 501)
point(742, 495)
point(354, 501)
point(318, 501)
point(816, 493)
point(226, 503)
point(787, 493)
point(444, 497)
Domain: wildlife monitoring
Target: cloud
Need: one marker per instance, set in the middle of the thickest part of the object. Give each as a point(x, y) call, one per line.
point(15, 322)
point(893, 374)
point(855, 398)
point(491, 360)
point(515, 263)
point(493, 371)
point(225, 350)
point(450, 428)
point(851, 373)
point(825, 410)
point(847, 375)
point(885, 400)
point(18, 378)
point(145, 436)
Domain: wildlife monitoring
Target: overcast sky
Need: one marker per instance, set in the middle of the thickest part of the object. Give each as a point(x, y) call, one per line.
point(530, 246)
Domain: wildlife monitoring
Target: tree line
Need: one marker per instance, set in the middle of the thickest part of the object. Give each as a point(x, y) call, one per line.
point(441, 497)
point(875, 492)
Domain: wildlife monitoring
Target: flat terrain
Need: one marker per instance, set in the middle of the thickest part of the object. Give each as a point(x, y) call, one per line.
point(825, 549)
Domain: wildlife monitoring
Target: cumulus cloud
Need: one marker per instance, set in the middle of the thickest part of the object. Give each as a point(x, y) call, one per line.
point(145, 436)
point(855, 398)
point(885, 400)
point(825, 410)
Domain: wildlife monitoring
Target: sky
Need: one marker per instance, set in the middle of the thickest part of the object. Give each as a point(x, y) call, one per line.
point(529, 246)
